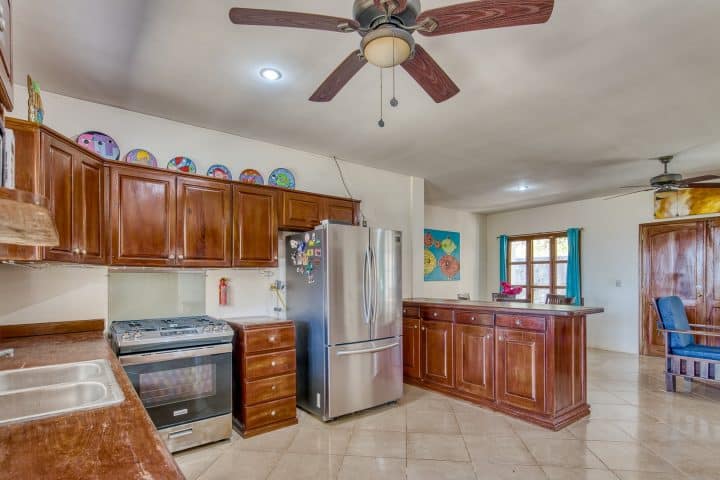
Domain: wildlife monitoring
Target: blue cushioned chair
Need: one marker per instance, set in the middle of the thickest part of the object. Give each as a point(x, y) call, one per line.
point(684, 357)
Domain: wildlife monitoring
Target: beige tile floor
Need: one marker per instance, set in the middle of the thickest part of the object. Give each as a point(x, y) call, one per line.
point(636, 432)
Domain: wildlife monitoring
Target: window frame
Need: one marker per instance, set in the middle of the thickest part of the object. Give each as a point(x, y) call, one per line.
point(530, 286)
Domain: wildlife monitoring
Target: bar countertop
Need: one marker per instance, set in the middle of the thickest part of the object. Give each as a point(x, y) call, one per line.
point(509, 307)
point(116, 442)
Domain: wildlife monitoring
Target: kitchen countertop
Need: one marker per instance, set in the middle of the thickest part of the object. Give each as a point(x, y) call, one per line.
point(510, 307)
point(259, 320)
point(117, 442)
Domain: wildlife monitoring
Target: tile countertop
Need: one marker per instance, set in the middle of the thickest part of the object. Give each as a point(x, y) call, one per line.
point(117, 442)
point(509, 307)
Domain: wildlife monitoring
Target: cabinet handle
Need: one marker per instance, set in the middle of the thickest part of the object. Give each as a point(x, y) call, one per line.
point(272, 363)
point(500, 338)
point(517, 322)
point(171, 256)
point(83, 251)
point(272, 338)
point(76, 251)
point(434, 314)
point(472, 318)
point(3, 25)
point(181, 256)
point(272, 413)
point(422, 328)
point(273, 388)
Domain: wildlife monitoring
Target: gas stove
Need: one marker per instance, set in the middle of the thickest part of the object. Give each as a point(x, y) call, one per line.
point(150, 335)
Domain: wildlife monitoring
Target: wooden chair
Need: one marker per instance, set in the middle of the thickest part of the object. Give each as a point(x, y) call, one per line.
point(684, 357)
point(554, 299)
point(501, 297)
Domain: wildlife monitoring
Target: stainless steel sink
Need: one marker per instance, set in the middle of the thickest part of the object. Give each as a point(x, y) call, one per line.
point(30, 393)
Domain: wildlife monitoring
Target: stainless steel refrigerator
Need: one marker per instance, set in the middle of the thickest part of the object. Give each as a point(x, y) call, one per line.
point(344, 293)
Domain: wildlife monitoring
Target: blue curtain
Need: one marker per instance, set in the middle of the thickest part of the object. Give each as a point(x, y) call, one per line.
point(573, 268)
point(503, 258)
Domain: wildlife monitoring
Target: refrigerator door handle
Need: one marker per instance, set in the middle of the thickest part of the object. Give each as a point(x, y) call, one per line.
point(373, 285)
point(367, 350)
point(365, 293)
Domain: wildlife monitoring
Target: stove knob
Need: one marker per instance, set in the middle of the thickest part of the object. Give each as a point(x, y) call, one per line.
point(216, 329)
point(125, 336)
point(138, 335)
point(208, 329)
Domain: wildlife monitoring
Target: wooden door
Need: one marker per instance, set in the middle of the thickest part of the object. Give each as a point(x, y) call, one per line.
point(58, 160)
point(204, 227)
point(300, 211)
point(437, 352)
point(711, 289)
point(143, 213)
point(338, 210)
point(88, 209)
point(520, 369)
point(255, 240)
point(411, 347)
point(672, 263)
point(474, 360)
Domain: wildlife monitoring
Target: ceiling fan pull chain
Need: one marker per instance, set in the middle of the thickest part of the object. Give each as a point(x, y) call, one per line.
point(381, 122)
point(393, 100)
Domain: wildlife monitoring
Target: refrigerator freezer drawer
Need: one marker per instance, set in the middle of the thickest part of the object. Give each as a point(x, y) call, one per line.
point(363, 375)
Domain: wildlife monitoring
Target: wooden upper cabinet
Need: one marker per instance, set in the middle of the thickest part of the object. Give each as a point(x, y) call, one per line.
point(300, 211)
point(474, 360)
point(143, 217)
point(204, 223)
point(712, 278)
point(520, 369)
point(58, 159)
point(6, 57)
point(437, 354)
point(255, 222)
point(345, 211)
point(88, 209)
point(411, 347)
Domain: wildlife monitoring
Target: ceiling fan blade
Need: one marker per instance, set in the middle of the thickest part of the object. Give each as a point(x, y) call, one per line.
point(701, 185)
point(701, 178)
point(635, 186)
point(339, 77)
point(430, 76)
point(484, 14)
point(628, 193)
point(277, 18)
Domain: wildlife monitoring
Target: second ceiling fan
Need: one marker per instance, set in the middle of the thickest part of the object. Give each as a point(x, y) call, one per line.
point(386, 28)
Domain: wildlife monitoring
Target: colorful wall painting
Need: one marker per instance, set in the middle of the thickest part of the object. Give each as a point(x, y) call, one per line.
point(687, 202)
point(442, 256)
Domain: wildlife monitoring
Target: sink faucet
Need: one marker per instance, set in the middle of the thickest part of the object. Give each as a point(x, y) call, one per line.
point(7, 352)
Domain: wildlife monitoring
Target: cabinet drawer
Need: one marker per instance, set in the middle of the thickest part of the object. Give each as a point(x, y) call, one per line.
point(474, 318)
point(268, 389)
point(521, 321)
point(269, 339)
point(411, 312)
point(270, 412)
point(429, 313)
point(269, 364)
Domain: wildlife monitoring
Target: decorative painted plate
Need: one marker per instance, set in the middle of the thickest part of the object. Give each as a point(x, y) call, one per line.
point(183, 164)
point(282, 177)
point(219, 171)
point(140, 156)
point(250, 175)
point(100, 143)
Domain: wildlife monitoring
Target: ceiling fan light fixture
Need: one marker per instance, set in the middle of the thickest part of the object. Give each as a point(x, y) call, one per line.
point(271, 74)
point(387, 47)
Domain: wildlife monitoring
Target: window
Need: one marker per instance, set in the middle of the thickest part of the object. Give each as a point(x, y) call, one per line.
point(538, 264)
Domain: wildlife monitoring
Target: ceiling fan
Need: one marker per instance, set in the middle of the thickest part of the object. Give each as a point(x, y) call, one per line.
point(386, 28)
point(670, 182)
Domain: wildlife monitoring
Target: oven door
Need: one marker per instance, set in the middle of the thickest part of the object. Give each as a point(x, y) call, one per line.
point(180, 386)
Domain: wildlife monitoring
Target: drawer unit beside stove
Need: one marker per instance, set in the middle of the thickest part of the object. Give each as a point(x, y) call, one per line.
point(264, 377)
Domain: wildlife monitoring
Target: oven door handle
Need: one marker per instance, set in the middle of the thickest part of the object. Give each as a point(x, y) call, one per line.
point(154, 357)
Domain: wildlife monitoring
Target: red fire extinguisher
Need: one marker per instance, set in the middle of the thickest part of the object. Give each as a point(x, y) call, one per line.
point(223, 288)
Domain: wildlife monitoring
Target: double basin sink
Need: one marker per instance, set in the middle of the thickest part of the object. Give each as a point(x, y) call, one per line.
point(30, 393)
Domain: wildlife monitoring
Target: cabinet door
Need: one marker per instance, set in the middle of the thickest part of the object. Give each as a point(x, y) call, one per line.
point(6, 69)
point(204, 225)
point(300, 211)
point(411, 347)
point(88, 209)
point(474, 360)
point(712, 281)
point(520, 369)
point(437, 352)
point(142, 217)
point(255, 241)
point(341, 211)
point(58, 160)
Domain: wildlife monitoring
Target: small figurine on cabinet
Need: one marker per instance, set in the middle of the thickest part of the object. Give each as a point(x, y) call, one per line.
point(36, 112)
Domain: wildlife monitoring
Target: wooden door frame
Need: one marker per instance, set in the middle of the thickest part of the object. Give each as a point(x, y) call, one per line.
point(643, 346)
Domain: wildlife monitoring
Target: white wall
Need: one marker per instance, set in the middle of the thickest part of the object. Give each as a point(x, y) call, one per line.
point(609, 254)
point(472, 238)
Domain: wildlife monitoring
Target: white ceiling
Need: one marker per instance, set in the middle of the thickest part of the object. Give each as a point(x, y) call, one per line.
point(570, 108)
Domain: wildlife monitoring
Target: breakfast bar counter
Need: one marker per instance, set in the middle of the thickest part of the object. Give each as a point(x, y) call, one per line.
point(526, 360)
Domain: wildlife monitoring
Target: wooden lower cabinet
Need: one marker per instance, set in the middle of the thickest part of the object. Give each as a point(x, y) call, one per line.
point(411, 347)
point(475, 360)
point(520, 369)
point(264, 376)
point(437, 352)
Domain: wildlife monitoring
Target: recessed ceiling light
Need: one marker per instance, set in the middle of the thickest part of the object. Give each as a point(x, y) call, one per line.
point(523, 188)
point(271, 74)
